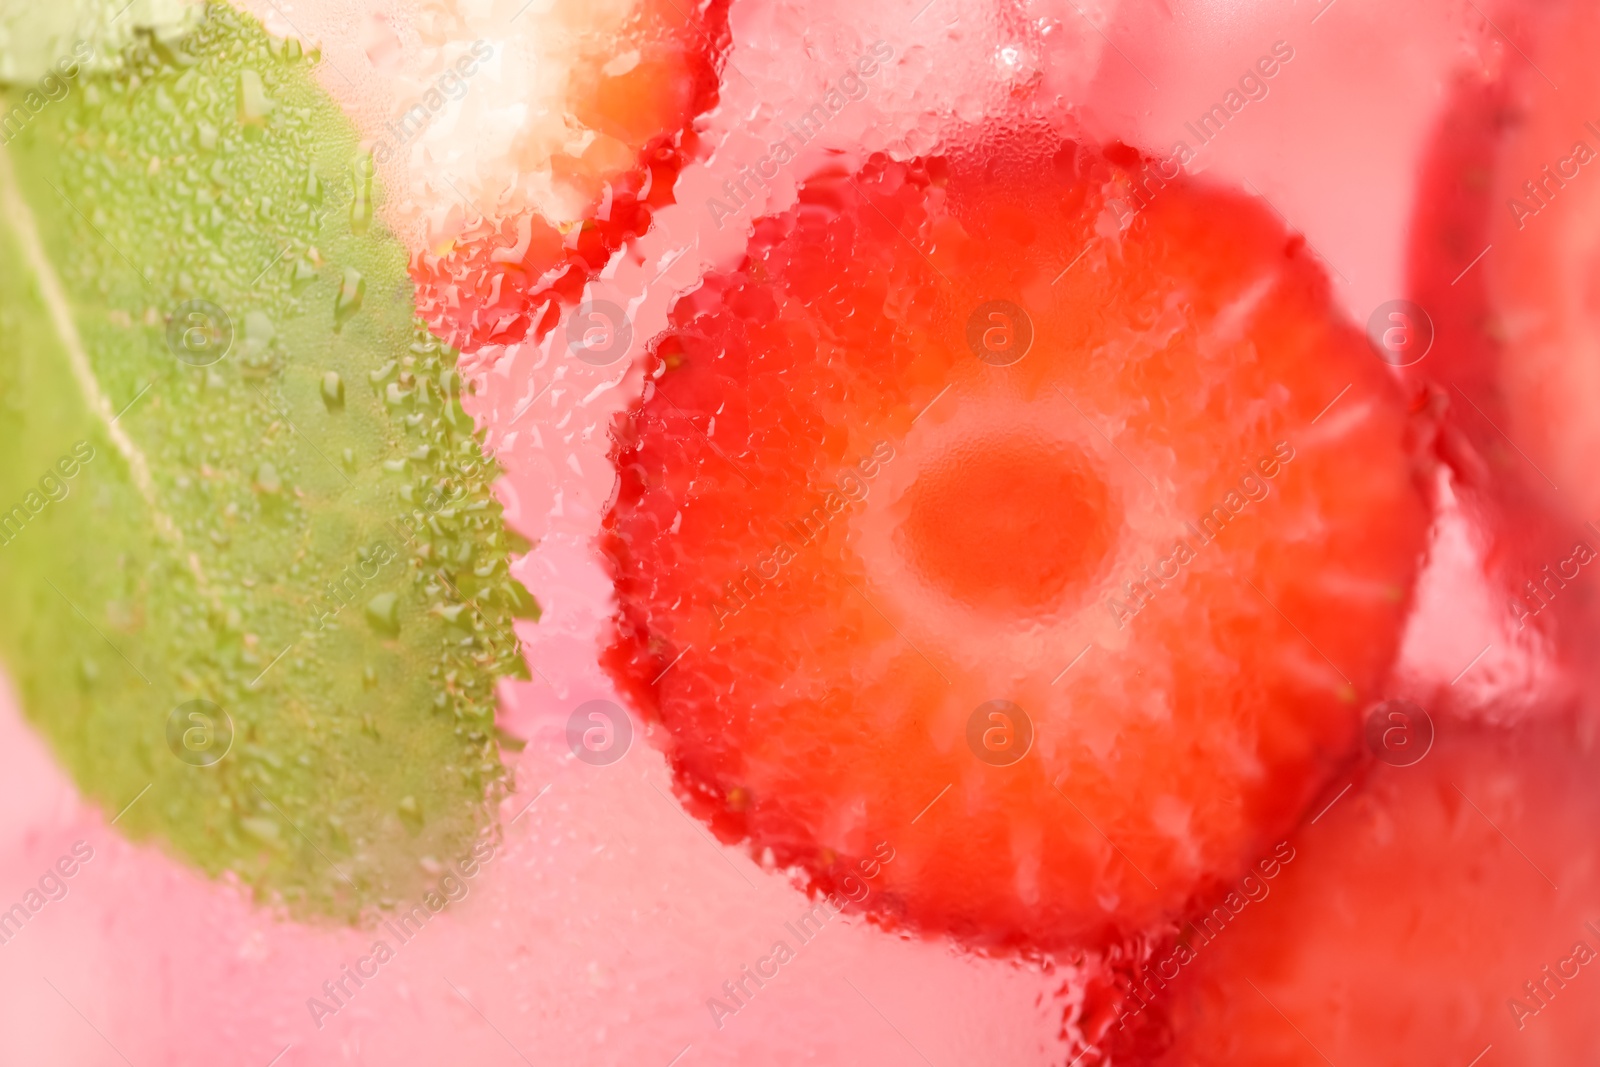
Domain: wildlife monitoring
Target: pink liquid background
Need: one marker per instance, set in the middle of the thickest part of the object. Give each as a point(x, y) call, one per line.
point(607, 918)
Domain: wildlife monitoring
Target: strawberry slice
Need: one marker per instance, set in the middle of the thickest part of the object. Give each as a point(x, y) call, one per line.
point(1502, 258)
point(1032, 514)
point(1543, 271)
point(609, 94)
point(1419, 921)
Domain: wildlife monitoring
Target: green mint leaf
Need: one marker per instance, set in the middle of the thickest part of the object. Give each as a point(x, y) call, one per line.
point(38, 39)
point(249, 557)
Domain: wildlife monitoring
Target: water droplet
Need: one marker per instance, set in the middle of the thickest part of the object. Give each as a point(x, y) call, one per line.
point(521, 602)
point(262, 829)
point(305, 272)
point(352, 290)
point(258, 332)
point(383, 614)
point(361, 200)
point(268, 480)
point(333, 391)
point(451, 614)
point(254, 103)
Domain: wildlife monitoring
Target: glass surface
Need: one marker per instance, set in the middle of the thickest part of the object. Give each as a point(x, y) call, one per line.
point(932, 532)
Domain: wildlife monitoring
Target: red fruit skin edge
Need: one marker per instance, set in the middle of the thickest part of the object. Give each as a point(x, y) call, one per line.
point(1454, 393)
point(478, 294)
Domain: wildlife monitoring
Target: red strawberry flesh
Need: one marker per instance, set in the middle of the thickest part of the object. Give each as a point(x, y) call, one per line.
point(1177, 533)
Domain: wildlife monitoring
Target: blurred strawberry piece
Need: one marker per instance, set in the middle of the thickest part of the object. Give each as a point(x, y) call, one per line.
point(1436, 913)
point(1501, 265)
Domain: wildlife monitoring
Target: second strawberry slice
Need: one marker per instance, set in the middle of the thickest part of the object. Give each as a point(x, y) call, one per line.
point(1033, 516)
